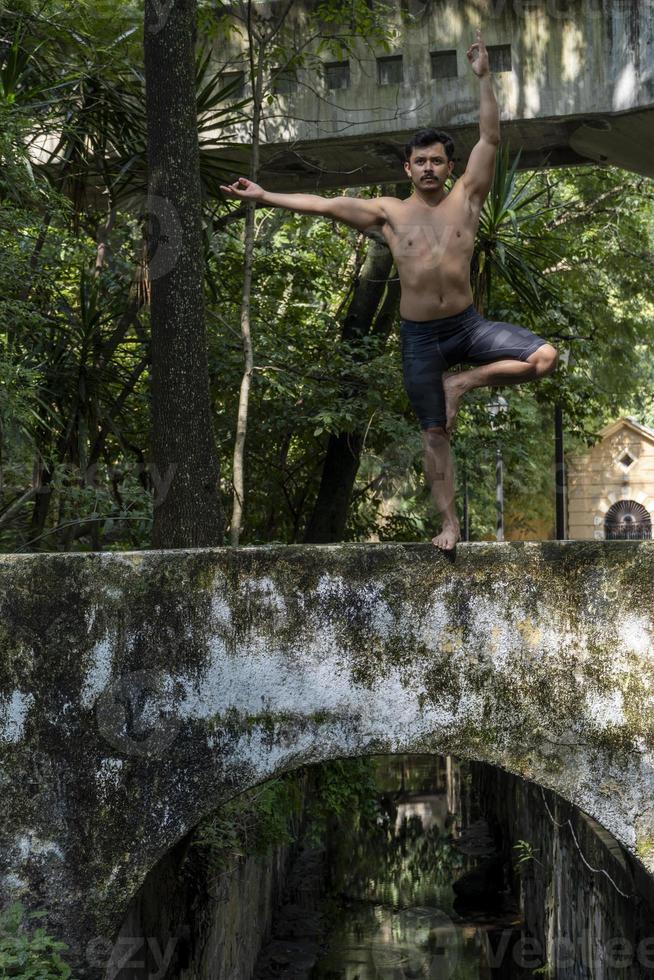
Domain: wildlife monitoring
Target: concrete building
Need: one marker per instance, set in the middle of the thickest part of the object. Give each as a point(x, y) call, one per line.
point(611, 487)
point(574, 80)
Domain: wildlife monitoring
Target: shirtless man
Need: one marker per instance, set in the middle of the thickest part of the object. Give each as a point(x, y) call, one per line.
point(431, 237)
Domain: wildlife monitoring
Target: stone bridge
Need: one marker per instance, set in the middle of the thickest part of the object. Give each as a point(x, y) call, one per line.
point(574, 80)
point(138, 691)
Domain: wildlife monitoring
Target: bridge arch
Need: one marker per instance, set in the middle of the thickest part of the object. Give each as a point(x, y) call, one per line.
point(142, 690)
point(567, 842)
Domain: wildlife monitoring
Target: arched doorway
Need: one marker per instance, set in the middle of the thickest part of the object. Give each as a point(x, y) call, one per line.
point(627, 520)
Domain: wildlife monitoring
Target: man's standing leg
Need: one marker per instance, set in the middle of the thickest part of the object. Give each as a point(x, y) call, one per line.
point(439, 470)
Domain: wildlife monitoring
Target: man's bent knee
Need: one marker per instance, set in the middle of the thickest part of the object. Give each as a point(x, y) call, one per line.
point(544, 359)
point(435, 437)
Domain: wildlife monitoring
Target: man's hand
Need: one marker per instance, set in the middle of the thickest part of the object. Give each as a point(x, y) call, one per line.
point(477, 55)
point(478, 175)
point(244, 189)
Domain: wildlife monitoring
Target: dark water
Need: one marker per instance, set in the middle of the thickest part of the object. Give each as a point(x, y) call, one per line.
point(394, 910)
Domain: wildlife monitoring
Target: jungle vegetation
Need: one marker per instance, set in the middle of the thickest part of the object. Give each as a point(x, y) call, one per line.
point(332, 450)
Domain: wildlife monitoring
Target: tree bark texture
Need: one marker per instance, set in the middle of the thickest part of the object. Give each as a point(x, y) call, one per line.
point(329, 516)
point(187, 511)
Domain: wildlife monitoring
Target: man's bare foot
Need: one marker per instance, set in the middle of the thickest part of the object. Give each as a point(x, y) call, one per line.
point(454, 391)
point(448, 536)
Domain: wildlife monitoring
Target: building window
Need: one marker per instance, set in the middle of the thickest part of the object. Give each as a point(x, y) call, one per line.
point(390, 70)
point(626, 461)
point(284, 81)
point(337, 74)
point(627, 520)
point(443, 64)
point(499, 57)
point(236, 82)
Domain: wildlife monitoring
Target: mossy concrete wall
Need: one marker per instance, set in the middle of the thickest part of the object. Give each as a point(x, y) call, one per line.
point(587, 905)
point(198, 922)
point(140, 690)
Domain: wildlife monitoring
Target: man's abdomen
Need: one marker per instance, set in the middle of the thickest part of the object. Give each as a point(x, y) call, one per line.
point(434, 291)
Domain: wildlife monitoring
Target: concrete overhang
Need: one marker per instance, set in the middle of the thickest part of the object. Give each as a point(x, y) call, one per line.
point(623, 140)
point(575, 85)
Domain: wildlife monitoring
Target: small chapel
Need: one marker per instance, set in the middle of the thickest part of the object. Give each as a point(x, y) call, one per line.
point(610, 488)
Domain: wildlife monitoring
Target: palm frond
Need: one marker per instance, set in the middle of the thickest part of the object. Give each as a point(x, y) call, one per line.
point(509, 246)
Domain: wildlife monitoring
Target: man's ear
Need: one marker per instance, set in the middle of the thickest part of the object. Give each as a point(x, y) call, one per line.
point(407, 168)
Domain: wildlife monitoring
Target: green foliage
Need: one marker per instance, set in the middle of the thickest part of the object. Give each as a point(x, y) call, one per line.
point(252, 823)
point(342, 787)
point(74, 412)
point(566, 252)
point(344, 24)
point(270, 815)
point(377, 858)
point(525, 852)
point(508, 245)
point(29, 954)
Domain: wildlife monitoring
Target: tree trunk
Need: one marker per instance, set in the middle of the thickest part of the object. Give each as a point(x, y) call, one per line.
point(183, 444)
point(329, 516)
point(256, 77)
point(42, 480)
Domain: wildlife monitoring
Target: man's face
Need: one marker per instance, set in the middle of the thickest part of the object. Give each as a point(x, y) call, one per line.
point(429, 167)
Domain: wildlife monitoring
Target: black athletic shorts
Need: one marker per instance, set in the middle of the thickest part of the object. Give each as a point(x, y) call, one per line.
point(430, 347)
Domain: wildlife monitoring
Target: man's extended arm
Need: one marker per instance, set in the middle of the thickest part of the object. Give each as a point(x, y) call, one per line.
point(361, 213)
point(489, 113)
point(478, 175)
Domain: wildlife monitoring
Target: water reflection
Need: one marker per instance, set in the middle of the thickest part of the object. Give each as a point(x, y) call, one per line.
point(396, 914)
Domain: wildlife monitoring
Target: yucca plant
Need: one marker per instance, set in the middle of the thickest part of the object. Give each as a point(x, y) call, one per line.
point(88, 95)
point(82, 343)
point(510, 245)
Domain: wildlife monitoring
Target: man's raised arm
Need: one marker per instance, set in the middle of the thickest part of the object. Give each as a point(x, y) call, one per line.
point(478, 175)
point(361, 213)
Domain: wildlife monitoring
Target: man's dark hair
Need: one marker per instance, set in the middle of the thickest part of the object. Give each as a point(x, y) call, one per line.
point(426, 137)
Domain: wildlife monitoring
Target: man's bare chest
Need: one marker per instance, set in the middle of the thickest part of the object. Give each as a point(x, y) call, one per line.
point(430, 236)
point(430, 233)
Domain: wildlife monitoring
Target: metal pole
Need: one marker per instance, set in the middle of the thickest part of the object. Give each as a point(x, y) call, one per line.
point(559, 472)
point(499, 497)
point(466, 522)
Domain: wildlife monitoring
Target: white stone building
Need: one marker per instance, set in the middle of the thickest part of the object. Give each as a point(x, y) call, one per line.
point(611, 487)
